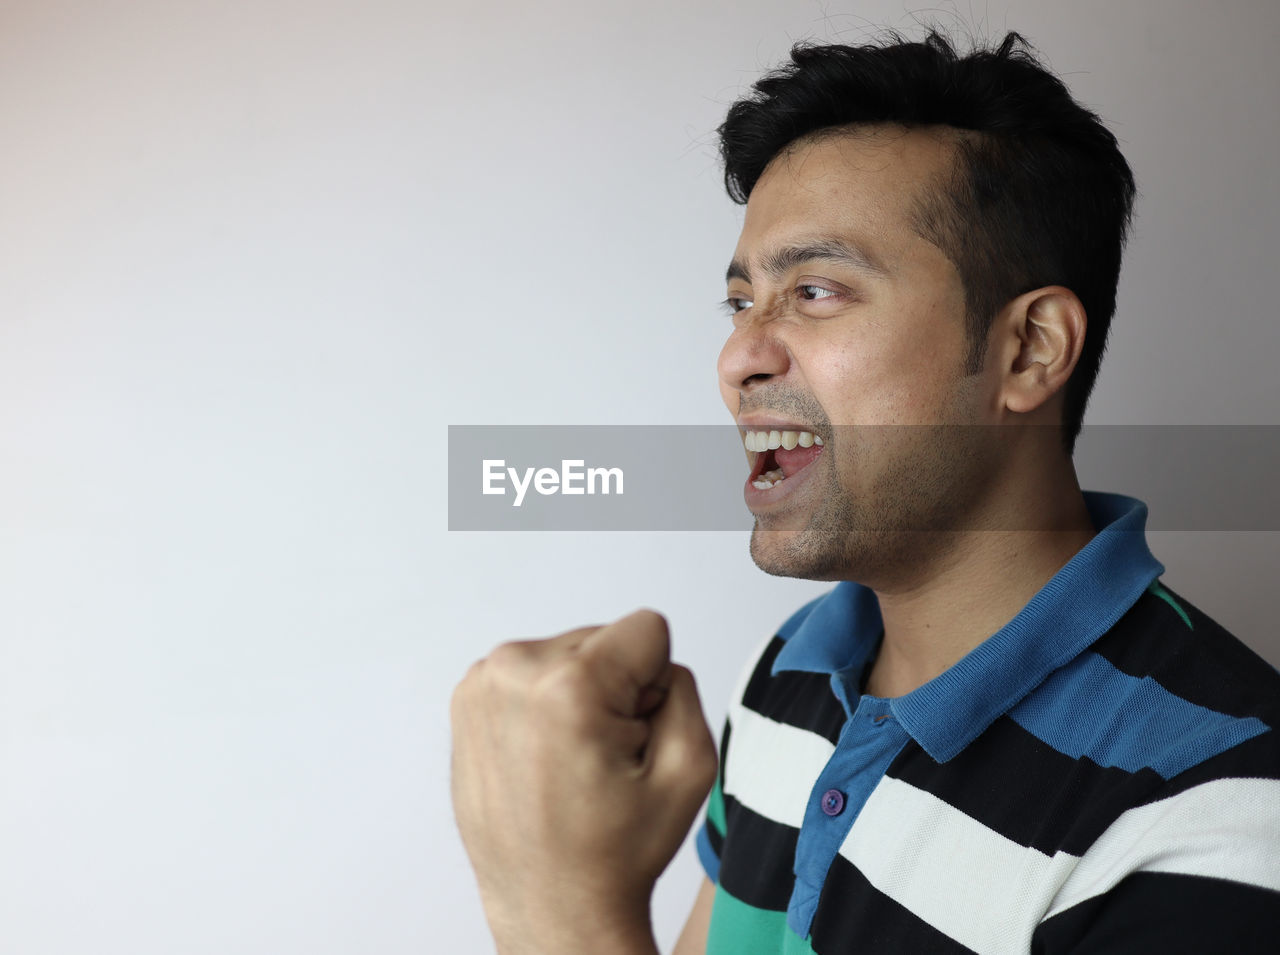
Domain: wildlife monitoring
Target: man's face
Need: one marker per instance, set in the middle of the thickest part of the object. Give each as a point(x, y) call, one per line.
point(847, 317)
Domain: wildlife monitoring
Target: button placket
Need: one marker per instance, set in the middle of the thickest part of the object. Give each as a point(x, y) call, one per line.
point(866, 746)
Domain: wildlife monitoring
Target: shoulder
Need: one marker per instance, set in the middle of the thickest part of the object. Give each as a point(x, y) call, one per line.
point(1215, 739)
point(1174, 719)
point(1166, 688)
point(1171, 644)
point(1167, 716)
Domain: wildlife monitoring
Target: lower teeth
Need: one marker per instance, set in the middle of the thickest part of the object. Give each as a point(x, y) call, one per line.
point(769, 479)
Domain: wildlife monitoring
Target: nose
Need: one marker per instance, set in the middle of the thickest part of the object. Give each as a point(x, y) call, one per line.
point(751, 356)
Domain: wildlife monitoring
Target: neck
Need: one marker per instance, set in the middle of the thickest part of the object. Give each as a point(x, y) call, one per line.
point(977, 581)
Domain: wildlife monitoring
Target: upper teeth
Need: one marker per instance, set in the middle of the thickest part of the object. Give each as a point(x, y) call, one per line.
point(772, 440)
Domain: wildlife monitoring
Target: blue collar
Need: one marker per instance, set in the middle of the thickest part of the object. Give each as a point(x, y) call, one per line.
point(841, 631)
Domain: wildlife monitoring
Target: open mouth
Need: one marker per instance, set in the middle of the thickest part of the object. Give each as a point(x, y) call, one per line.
point(779, 455)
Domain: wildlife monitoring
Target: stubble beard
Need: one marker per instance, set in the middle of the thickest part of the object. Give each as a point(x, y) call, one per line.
point(907, 515)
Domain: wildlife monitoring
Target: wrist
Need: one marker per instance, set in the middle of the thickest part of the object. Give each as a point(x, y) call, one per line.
point(592, 929)
point(629, 939)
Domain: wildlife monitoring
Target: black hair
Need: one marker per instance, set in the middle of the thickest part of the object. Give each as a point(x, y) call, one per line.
point(1040, 194)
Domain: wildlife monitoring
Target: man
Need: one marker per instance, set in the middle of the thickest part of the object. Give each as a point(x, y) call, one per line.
point(999, 732)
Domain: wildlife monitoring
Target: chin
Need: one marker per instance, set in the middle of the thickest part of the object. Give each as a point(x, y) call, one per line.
point(807, 554)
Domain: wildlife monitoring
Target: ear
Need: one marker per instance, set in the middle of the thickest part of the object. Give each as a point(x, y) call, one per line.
point(1041, 337)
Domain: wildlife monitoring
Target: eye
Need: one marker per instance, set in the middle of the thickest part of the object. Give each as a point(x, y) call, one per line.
point(815, 293)
point(735, 304)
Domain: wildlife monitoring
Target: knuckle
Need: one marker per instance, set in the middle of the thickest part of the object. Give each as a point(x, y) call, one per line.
point(695, 749)
point(464, 689)
point(565, 698)
point(474, 675)
point(697, 765)
point(571, 638)
point(707, 764)
point(569, 681)
point(506, 657)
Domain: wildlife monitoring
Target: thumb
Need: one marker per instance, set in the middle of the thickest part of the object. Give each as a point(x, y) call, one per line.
point(629, 657)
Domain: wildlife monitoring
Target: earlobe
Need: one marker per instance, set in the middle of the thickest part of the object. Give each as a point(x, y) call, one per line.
point(1046, 330)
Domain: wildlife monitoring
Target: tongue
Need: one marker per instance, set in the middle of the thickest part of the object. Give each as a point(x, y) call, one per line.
point(795, 459)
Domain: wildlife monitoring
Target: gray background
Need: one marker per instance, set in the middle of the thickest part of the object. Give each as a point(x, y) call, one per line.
point(254, 260)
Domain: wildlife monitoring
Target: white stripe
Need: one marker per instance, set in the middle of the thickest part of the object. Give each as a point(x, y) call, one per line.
point(1225, 829)
point(771, 767)
point(744, 675)
point(963, 878)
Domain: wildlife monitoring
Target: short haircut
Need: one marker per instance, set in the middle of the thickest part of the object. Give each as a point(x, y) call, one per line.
point(1040, 194)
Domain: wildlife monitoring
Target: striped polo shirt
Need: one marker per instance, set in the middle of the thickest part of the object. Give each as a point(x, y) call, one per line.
point(1099, 775)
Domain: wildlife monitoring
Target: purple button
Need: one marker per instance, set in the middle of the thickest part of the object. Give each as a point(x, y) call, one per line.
point(832, 802)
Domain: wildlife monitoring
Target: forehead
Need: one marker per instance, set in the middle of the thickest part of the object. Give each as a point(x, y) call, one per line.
point(866, 182)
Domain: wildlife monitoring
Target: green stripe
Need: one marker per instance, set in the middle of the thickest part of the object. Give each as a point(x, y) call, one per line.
point(715, 808)
point(741, 929)
point(1158, 589)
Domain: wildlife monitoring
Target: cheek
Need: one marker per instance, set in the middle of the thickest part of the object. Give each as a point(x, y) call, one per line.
point(870, 382)
point(886, 379)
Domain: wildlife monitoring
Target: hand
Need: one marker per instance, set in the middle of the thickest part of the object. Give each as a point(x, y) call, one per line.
point(579, 764)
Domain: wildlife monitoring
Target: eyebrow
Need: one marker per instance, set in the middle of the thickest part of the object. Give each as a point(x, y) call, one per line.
point(780, 261)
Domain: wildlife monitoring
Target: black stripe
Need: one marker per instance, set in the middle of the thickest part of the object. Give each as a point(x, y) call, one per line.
point(798, 699)
point(855, 915)
point(1160, 912)
point(764, 664)
point(724, 749)
point(756, 858)
point(714, 836)
point(714, 839)
point(1205, 665)
point(1024, 789)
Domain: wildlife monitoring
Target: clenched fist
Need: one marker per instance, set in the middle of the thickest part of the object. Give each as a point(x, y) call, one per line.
point(579, 764)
